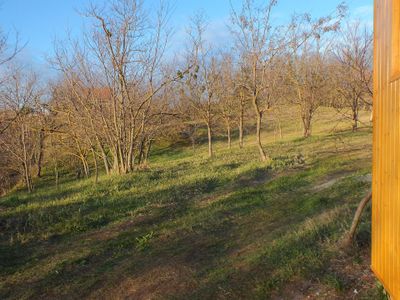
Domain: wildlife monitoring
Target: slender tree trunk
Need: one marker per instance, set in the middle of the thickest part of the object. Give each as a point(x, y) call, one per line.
point(228, 132)
point(307, 131)
point(123, 169)
point(87, 171)
point(148, 149)
point(263, 155)
point(241, 121)
point(131, 157)
point(210, 147)
point(132, 161)
point(131, 154)
point(105, 160)
point(85, 165)
point(103, 155)
point(27, 178)
point(96, 168)
point(116, 168)
point(27, 174)
point(258, 137)
point(141, 151)
point(40, 154)
point(355, 116)
point(355, 123)
point(306, 118)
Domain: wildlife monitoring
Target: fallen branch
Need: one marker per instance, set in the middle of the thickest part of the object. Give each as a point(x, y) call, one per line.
point(356, 221)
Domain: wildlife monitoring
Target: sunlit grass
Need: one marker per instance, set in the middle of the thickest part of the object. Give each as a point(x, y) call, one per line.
point(226, 227)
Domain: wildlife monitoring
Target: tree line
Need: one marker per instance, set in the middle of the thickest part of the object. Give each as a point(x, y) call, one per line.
point(118, 91)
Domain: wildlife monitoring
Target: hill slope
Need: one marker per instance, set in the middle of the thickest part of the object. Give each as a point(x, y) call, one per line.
point(189, 227)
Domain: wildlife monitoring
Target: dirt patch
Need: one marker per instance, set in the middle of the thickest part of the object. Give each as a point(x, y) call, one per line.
point(158, 283)
point(113, 231)
point(350, 277)
point(214, 198)
point(326, 185)
point(330, 181)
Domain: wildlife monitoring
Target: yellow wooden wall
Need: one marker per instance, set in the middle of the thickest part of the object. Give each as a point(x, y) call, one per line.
point(386, 153)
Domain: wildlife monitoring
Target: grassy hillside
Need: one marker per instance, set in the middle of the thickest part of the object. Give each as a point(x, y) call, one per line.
point(192, 228)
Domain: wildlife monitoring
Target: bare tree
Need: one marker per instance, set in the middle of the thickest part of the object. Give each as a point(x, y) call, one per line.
point(310, 67)
point(199, 90)
point(242, 97)
point(7, 54)
point(310, 77)
point(258, 42)
point(354, 71)
point(226, 93)
point(113, 79)
point(19, 97)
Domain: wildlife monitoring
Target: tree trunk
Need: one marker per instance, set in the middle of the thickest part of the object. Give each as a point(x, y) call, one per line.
point(263, 155)
point(85, 166)
point(148, 149)
point(27, 178)
point(141, 151)
point(228, 129)
point(355, 117)
point(357, 218)
point(96, 168)
point(241, 121)
point(122, 165)
point(27, 174)
point(306, 125)
point(116, 168)
point(131, 153)
point(210, 148)
point(40, 154)
point(105, 160)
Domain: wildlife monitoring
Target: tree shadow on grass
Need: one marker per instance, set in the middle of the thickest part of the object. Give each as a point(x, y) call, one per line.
point(94, 244)
point(74, 219)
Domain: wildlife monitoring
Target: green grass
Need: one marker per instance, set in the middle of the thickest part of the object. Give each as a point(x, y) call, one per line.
point(190, 227)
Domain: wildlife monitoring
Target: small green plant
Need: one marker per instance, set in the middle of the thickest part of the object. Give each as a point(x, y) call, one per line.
point(143, 242)
point(335, 281)
point(288, 161)
point(383, 294)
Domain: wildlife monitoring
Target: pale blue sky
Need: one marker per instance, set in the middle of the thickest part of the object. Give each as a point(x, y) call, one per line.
point(40, 21)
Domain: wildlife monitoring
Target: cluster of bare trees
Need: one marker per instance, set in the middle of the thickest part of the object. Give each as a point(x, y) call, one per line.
point(117, 93)
point(353, 55)
point(110, 98)
point(21, 134)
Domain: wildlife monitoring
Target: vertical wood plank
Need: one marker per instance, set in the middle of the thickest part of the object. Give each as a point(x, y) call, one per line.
point(386, 149)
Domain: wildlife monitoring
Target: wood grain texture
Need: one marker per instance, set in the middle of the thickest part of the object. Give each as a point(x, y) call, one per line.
point(386, 149)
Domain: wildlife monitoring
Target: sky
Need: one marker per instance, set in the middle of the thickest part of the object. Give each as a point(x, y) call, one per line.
point(39, 22)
